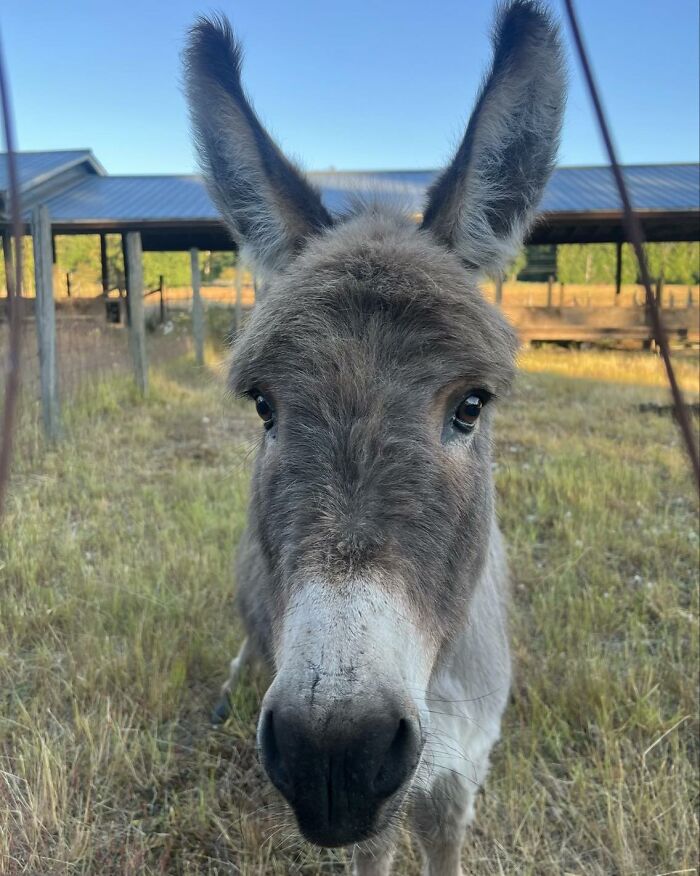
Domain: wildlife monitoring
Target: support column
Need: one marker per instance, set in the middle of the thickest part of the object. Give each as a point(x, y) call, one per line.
point(618, 271)
point(45, 314)
point(133, 255)
point(104, 264)
point(7, 257)
point(197, 308)
point(239, 292)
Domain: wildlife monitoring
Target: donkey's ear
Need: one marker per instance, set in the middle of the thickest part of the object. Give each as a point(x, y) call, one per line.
point(267, 203)
point(482, 204)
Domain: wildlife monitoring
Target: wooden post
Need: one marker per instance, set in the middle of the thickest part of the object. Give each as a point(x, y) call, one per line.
point(561, 295)
point(239, 292)
point(7, 257)
point(197, 308)
point(660, 292)
point(688, 303)
point(499, 289)
point(68, 284)
point(161, 290)
point(133, 255)
point(104, 265)
point(45, 320)
point(550, 284)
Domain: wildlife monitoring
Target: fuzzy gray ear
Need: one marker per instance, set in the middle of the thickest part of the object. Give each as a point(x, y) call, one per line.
point(270, 208)
point(482, 205)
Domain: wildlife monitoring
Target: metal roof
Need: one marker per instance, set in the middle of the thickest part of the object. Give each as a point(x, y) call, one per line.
point(580, 204)
point(651, 187)
point(134, 199)
point(570, 190)
point(34, 168)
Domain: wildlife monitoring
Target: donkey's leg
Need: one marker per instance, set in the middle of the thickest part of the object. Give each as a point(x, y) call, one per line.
point(440, 819)
point(222, 710)
point(374, 858)
point(444, 809)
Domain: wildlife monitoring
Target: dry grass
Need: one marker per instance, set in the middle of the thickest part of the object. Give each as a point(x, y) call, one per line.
point(115, 630)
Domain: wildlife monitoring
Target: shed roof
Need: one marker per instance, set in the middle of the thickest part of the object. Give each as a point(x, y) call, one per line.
point(34, 168)
point(653, 187)
point(580, 204)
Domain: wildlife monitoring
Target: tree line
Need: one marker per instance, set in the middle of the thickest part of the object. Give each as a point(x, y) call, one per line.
point(575, 263)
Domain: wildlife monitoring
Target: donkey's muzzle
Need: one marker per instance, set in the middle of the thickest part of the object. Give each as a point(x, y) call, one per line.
point(340, 776)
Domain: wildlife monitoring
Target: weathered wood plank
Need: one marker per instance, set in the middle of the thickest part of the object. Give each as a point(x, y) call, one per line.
point(597, 323)
point(45, 312)
point(133, 253)
point(197, 308)
point(239, 293)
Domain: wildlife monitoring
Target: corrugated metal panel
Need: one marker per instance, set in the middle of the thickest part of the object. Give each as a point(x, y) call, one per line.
point(651, 187)
point(35, 166)
point(133, 198)
point(570, 190)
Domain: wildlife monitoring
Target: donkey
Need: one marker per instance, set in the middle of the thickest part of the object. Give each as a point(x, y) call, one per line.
point(371, 577)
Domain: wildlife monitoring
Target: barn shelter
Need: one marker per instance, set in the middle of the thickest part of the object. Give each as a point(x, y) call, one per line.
point(175, 212)
point(70, 192)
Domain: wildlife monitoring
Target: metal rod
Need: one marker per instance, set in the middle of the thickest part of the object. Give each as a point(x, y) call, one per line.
point(14, 290)
point(635, 236)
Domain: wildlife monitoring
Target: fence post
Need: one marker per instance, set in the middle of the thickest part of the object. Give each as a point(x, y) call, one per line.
point(550, 284)
point(618, 272)
point(688, 303)
point(134, 289)
point(104, 265)
point(197, 308)
point(499, 289)
point(161, 290)
point(46, 320)
point(660, 292)
point(239, 292)
point(7, 257)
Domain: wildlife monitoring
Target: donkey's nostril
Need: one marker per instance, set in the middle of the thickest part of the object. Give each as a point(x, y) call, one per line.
point(338, 774)
point(271, 756)
point(399, 760)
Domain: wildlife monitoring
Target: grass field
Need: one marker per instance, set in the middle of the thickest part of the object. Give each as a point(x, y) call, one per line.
point(116, 628)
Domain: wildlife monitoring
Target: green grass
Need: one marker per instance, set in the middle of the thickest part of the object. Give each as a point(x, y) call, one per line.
point(116, 628)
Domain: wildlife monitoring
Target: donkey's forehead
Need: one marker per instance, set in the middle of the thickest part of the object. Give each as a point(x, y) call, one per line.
point(378, 290)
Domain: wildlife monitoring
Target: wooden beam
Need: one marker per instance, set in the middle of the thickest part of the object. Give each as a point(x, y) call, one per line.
point(499, 289)
point(45, 312)
point(7, 257)
point(104, 264)
point(197, 308)
point(134, 289)
point(239, 292)
point(618, 270)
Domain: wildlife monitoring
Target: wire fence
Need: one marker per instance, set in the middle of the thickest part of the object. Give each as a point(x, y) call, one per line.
point(91, 335)
point(78, 333)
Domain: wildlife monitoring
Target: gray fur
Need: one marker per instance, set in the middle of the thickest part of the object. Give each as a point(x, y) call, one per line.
point(370, 333)
point(484, 202)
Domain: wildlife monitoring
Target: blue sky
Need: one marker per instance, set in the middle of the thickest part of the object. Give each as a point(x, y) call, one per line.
point(363, 85)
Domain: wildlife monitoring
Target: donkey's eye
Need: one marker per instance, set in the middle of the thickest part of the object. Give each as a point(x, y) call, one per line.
point(468, 411)
point(264, 409)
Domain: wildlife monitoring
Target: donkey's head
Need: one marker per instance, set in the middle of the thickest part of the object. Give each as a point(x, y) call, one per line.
point(374, 363)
